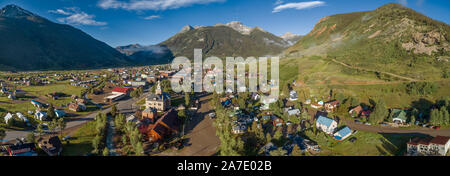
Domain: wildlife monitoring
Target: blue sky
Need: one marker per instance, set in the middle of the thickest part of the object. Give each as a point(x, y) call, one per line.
point(123, 22)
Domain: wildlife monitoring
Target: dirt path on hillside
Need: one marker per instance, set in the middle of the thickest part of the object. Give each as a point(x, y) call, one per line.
point(201, 133)
point(364, 69)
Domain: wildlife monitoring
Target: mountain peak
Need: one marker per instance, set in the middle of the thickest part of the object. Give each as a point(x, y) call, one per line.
point(14, 11)
point(186, 28)
point(238, 26)
point(289, 35)
point(391, 5)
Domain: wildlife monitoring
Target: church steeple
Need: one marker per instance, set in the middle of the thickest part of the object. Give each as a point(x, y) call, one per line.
point(158, 90)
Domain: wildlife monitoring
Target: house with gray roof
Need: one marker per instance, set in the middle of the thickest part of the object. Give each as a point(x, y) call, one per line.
point(326, 124)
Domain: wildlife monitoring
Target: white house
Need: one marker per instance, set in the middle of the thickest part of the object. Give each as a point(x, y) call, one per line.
point(8, 117)
point(132, 118)
point(40, 115)
point(267, 100)
point(239, 129)
point(293, 96)
point(326, 124)
point(21, 116)
point(295, 112)
point(437, 146)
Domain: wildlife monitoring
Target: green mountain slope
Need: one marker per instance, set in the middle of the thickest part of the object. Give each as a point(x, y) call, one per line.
point(392, 38)
point(30, 42)
point(222, 40)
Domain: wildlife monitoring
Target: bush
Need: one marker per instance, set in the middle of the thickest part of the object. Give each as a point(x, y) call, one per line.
point(421, 88)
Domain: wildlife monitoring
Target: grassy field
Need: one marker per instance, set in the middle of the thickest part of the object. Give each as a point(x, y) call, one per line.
point(317, 76)
point(65, 88)
point(317, 71)
point(367, 144)
point(81, 142)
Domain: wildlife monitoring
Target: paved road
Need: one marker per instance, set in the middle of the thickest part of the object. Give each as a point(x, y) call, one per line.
point(392, 130)
point(122, 106)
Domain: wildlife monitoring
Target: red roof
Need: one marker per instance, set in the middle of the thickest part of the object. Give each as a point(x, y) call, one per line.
point(121, 89)
point(441, 140)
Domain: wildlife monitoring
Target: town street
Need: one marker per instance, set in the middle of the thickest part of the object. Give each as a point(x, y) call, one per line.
point(124, 105)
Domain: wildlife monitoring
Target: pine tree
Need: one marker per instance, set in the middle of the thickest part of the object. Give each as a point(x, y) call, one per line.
point(278, 136)
point(114, 110)
point(139, 150)
point(444, 115)
point(380, 112)
point(51, 112)
point(412, 119)
point(106, 152)
point(62, 125)
point(434, 116)
point(2, 134)
point(187, 100)
point(278, 152)
point(268, 138)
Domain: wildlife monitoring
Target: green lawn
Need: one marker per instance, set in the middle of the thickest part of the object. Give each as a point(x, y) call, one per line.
point(367, 144)
point(81, 142)
point(65, 88)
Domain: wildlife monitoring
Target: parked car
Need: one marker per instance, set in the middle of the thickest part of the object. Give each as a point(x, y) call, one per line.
point(212, 115)
point(384, 124)
point(437, 127)
point(368, 124)
point(353, 139)
point(358, 122)
point(430, 126)
point(66, 138)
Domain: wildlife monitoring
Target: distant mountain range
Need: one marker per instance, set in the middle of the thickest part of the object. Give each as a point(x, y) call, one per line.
point(147, 55)
point(391, 37)
point(291, 38)
point(221, 40)
point(31, 42)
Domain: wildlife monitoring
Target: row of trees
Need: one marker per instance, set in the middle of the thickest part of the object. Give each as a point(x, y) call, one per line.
point(441, 114)
point(131, 137)
point(421, 88)
point(230, 145)
point(99, 141)
point(138, 92)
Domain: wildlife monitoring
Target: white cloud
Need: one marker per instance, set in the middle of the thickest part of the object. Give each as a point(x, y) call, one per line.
point(151, 4)
point(298, 6)
point(77, 17)
point(59, 11)
point(278, 2)
point(152, 17)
